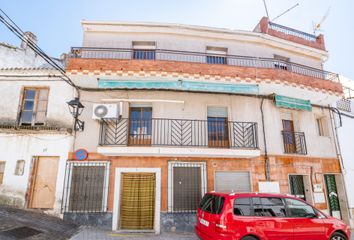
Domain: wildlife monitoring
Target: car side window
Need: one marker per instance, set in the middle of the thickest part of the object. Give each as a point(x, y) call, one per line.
point(273, 207)
point(299, 209)
point(242, 207)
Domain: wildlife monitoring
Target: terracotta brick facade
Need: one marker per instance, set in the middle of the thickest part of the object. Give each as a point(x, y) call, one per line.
point(102, 65)
point(280, 166)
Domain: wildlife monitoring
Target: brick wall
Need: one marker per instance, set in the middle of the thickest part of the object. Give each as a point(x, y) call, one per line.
point(102, 65)
point(281, 167)
point(264, 28)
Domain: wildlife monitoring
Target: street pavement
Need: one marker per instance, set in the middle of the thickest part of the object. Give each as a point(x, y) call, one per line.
point(90, 233)
point(31, 225)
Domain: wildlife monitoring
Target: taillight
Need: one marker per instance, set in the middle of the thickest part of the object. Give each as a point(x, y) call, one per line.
point(220, 226)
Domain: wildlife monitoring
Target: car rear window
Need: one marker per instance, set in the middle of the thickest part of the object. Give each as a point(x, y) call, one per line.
point(212, 203)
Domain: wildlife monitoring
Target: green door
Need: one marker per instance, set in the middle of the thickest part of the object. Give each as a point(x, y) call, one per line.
point(332, 195)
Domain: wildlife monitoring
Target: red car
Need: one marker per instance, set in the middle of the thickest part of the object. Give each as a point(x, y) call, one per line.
point(257, 216)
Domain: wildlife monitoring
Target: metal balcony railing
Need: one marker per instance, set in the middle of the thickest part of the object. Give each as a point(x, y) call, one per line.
point(294, 142)
point(178, 133)
point(200, 57)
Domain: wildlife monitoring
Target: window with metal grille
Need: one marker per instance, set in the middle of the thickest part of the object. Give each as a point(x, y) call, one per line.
point(281, 62)
point(344, 105)
point(86, 187)
point(297, 187)
point(2, 170)
point(187, 185)
point(34, 106)
point(144, 50)
point(216, 55)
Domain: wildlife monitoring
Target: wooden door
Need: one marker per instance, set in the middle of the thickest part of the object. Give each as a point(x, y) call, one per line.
point(44, 182)
point(140, 125)
point(289, 136)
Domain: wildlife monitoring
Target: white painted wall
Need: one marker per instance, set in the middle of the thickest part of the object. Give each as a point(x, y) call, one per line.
point(194, 38)
point(195, 105)
point(24, 146)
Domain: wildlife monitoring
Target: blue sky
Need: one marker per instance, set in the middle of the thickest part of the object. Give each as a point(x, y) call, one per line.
point(57, 22)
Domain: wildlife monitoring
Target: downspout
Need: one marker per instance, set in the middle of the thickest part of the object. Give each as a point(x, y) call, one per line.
point(339, 154)
point(266, 159)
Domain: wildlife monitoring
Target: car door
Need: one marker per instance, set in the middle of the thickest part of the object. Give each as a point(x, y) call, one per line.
point(271, 221)
point(306, 223)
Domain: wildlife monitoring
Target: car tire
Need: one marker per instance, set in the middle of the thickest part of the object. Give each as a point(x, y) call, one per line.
point(338, 236)
point(249, 238)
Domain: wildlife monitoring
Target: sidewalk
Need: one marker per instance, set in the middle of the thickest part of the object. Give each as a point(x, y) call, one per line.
point(88, 233)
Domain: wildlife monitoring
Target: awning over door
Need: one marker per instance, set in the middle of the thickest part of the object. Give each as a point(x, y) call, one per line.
point(293, 103)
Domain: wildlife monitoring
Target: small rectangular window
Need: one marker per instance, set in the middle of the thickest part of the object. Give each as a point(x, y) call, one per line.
point(322, 129)
point(216, 55)
point(34, 106)
point(144, 50)
point(2, 171)
point(20, 167)
point(281, 62)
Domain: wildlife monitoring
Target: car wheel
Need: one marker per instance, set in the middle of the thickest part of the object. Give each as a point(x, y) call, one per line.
point(251, 238)
point(338, 236)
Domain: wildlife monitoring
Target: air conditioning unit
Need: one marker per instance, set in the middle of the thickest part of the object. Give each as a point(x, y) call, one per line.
point(106, 111)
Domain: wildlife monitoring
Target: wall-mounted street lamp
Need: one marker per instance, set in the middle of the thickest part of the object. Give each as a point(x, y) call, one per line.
point(76, 108)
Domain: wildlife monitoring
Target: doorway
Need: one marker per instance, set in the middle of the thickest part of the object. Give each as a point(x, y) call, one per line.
point(289, 136)
point(43, 186)
point(332, 195)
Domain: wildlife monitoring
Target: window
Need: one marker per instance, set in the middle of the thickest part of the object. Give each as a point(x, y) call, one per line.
point(281, 62)
point(321, 123)
point(86, 187)
point(187, 183)
point(299, 209)
point(2, 170)
point(20, 167)
point(144, 50)
point(34, 106)
point(218, 134)
point(268, 207)
point(297, 187)
point(243, 207)
point(212, 204)
point(273, 207)
point(140, 125)
point(216, 55)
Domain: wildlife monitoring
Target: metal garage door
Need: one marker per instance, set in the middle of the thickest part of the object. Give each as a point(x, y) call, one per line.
point(232, 181)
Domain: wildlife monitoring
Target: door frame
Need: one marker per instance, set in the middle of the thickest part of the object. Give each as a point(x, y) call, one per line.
point(117, 195)
point(311, 200)
point(33, 177)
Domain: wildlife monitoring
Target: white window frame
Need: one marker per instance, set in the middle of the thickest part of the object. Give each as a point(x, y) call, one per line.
point(68, 178)
point(173, 164)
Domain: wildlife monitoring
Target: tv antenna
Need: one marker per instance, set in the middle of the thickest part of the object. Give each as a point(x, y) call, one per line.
point(317, 26)
point(283, 13)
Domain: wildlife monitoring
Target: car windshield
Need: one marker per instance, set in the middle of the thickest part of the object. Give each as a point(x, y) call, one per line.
point(212, 204)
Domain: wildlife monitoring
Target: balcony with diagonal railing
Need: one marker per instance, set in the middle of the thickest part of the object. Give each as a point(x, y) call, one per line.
point(294, 142)
point(178, 133)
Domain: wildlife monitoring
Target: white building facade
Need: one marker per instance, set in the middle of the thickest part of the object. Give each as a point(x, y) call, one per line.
point(35, 130)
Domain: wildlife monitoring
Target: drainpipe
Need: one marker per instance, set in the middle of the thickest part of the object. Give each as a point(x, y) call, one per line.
point(266, 159)
point(339, 154)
